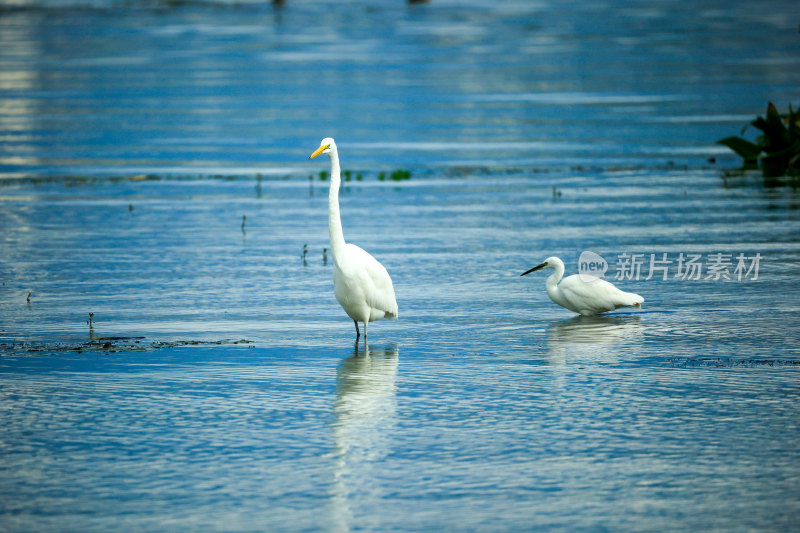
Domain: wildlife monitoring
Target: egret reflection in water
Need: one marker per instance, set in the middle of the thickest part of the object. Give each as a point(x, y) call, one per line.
point(365, 418)
point(591, 338)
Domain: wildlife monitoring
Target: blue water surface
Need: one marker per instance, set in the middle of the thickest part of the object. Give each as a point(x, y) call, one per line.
point(154, 172)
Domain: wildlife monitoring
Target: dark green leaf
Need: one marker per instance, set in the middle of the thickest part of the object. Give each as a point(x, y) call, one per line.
point(747, 150)
point(772, 113)
point(775, 135)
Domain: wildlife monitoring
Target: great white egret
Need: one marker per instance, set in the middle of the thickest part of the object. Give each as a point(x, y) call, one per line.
point(362, 285)
point(584, 297)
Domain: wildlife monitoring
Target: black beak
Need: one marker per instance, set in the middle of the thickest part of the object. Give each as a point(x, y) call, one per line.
point(534, 269)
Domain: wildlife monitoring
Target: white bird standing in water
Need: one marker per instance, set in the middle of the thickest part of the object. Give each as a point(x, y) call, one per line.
point(584, 297)
point(362, 285)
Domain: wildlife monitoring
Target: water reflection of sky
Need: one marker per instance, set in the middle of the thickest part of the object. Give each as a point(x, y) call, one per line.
point(239, 89)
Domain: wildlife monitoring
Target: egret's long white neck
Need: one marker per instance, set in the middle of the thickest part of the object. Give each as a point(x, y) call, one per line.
point(334, 218)
point(552, 281)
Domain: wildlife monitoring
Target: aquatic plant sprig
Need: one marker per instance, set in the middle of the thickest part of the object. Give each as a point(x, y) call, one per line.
point(399, 174)
point(777, 149)
point(347, 175)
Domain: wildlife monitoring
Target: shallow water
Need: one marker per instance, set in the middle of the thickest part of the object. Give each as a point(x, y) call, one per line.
point(242, 89)
point(219, 387)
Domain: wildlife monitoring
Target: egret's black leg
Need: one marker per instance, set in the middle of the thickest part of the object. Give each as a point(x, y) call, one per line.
point(358, 333)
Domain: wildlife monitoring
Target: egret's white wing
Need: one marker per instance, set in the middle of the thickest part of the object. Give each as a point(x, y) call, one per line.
point(598, 296)
point(378, 290)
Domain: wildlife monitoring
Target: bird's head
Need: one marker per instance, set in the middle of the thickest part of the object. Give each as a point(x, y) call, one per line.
point(326, 146)
point(550, 262)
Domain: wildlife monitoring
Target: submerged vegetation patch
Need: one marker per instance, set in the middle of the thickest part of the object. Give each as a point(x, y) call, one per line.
point(108, 345)
point(732, 362)
point(396, 175)
point(349, 175)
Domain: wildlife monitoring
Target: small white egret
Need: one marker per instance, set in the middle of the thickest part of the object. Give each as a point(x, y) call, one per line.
point(361, 284)
point(584, 297)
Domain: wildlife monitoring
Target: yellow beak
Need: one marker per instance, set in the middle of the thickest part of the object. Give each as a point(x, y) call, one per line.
point(319, 151)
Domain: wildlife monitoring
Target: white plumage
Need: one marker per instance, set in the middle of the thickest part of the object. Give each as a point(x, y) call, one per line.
point(584, 297)
point(362, 285)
